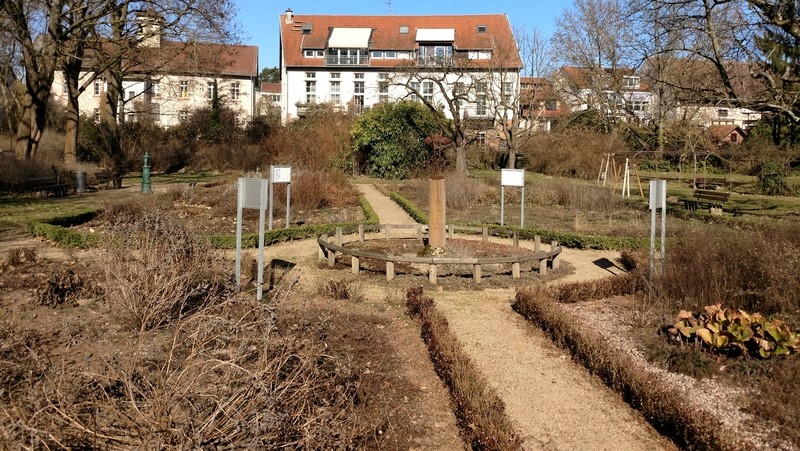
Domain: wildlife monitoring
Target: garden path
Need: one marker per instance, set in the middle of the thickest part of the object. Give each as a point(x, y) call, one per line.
point(553, 402)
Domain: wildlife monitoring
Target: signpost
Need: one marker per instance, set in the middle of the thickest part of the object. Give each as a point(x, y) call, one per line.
point(252, 193)
point(279, 174)
point(658, 199)
point(512, 177)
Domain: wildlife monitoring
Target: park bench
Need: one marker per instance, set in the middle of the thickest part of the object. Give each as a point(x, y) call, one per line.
point(104, 178)
point(707, 198)
point(49, 186)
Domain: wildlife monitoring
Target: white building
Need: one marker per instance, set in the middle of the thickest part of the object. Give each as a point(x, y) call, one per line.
point(354, 62)
point(168, 80)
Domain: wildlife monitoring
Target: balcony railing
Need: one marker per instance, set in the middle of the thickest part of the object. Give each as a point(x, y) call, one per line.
point(350, 60)
point(434, 61)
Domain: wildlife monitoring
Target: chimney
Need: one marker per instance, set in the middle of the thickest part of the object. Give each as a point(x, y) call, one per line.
point(289, 16)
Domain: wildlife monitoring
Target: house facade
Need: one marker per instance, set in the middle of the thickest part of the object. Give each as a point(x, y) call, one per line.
point(618, 93)
point(355, 62)
point(166, 81)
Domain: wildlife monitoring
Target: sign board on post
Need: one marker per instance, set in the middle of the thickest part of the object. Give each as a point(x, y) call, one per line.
point(658, 200)
point(658, 194)
point(512, 177)
point(252, 193)
point(280, 174)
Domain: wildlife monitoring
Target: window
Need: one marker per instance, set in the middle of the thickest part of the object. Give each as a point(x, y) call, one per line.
point(403, 29)
point(383, 92)
point(210, 90)
point(336, 75)
point(551, 105)
point(377, 54)
point(311, 75)
point(722, 113)
point(639, 105)
point(308, 53)
point(336, 90)
point(390, 54)
point(358, 95)
point(131, 95)
point(414, 91)
point(99, 84)
point(480, 87)
point(480, 106)
point(183, 89)
point(311, 91)
point(480, 139)
point(481, 29)
point(435, 55)
point(235, 90)
point(358, 76)
point(508, 88)
point(358, 87)
point(97, 115)
point(403, 54)
point(631, 82)
point(734, 137)
point(427, 91)
point(155, 90)
point(155, 112)
point(183, 116)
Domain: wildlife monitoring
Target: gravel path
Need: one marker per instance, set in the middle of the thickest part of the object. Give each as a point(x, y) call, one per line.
point(554, 403)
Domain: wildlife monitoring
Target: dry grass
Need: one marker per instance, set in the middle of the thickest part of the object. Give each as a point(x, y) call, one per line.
point(570, 154)
point(480, 412)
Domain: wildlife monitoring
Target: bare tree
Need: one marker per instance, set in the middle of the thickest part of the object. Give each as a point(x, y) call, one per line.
point(595, 34)
point(516, 105)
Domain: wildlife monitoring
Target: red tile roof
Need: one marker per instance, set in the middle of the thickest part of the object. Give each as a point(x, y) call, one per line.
point(180, 58)
point(720, 132)
point(386, 36)
point(274, 88)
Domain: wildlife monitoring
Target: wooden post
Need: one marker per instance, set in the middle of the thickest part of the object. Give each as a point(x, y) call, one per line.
point(485, 234)
point(388, 231)
point(432, 273)
point(450, 231)
point(476, 273)
point(537, 243)
point(419, 232)
point(361, 233)
point(437, 205)
point(338, 236)
point(354, 264)
point(557, 257)
point(331, 258)
point(389, 271)
point(321, 250)
point(515, 270)
point(542, 267)
point(515, 240)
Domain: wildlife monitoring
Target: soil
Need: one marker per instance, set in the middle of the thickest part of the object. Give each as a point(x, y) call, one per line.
point(554, 402)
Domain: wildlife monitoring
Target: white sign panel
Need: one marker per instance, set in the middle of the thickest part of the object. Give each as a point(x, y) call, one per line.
point(658, 194)
point(250, 192)
point(512, 177)
point(281, 174)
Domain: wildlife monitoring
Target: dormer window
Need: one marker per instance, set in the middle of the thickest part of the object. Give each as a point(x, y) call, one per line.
point(631, 82)
point(306, 28)
point(404, 29)
point(481, 29)
point(348, 46)
point(435, 46)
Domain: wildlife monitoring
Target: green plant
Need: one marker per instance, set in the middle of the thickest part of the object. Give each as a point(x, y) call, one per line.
point(410, 208)
point(731, 332)
point(772, 179)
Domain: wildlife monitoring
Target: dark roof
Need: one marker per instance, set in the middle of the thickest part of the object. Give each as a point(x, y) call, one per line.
point(270, 87)
point(720, 132)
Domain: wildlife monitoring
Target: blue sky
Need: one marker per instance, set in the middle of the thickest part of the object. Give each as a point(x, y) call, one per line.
point(259, 18)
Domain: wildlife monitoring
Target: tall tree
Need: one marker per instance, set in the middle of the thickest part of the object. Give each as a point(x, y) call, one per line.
point(39, 30)
point(270, 75)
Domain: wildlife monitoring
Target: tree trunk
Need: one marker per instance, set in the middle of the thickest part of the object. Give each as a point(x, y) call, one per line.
point(71, 133)
point(22, 146)
point(461, 159)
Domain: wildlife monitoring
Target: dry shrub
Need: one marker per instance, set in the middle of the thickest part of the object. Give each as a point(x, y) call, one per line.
point(226, 378)
point(22, 362)
point(480, 412)
point(755, 270)
point(154, 270)
point(596, 289)
point(313, 190)
point(317, 142)
point(570, 154)
point(464, 192)
point(62, 286)
point(15, 171)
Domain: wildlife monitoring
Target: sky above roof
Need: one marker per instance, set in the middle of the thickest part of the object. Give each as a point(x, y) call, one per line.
point(259, 18)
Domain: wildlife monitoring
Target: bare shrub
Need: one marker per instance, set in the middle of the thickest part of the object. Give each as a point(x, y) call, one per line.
point(464, 192)
point(755, 270)
point(61, 287)
point(570, 154)
point(155, 271)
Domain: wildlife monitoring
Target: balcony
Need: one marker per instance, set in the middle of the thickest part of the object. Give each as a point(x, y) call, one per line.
point(347, 60)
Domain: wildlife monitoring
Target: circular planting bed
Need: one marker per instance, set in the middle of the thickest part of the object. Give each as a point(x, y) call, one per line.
point(411, 255)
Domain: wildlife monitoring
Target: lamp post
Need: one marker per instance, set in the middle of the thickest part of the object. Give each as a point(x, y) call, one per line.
point(146, 175)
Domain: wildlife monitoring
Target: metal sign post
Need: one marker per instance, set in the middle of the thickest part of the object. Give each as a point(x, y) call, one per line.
point(252, 193)
point(512, 177)
point(658, 199)
point(280, 174)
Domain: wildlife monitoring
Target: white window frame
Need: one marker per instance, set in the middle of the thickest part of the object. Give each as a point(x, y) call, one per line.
point(235, 90)
point(183, 89)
